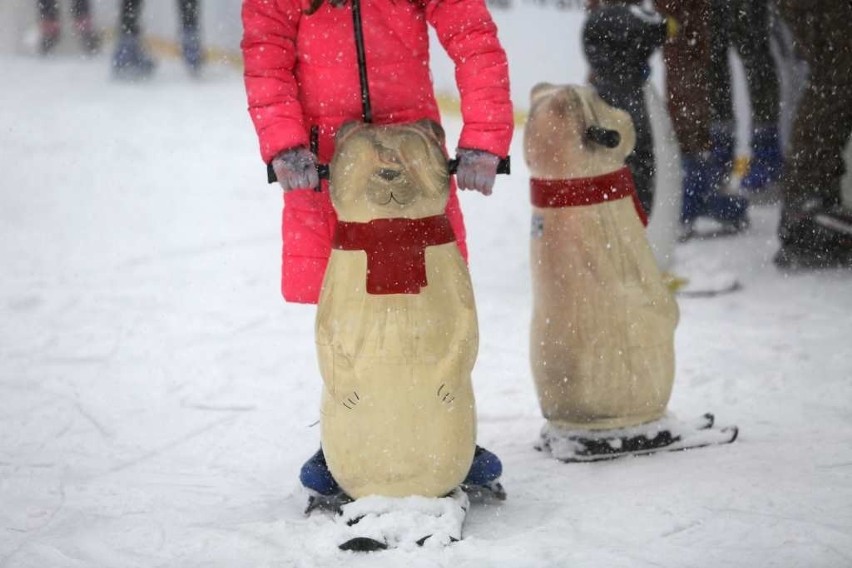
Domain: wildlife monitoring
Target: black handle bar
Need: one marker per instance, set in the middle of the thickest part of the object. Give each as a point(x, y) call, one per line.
point(504, 166)
point(603, 136)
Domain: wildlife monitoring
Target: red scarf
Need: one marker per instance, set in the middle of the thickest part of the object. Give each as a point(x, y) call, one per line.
point(396, 250)
point(586, 191)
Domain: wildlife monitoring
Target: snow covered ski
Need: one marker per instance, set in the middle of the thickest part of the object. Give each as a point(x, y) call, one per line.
point(705, 285)
point(377, 523)
point(665, 435)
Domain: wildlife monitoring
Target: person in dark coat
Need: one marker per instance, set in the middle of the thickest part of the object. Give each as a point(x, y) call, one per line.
point(816, 226)
point(618, 39)
point(745, 26)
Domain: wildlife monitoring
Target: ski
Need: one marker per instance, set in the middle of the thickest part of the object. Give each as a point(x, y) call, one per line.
point(701, 285)
point(378, 523)
point(665, 435)
point(691, 290)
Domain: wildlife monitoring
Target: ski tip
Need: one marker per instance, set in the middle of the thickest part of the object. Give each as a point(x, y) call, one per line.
point(734, 432)
point(363, 544)
point(709, 419)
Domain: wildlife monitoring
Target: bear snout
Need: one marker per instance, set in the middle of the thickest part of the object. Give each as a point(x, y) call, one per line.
point(388, 174)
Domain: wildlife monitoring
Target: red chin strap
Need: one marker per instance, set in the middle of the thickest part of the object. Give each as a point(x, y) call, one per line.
point(396, 250)
point(577, 192)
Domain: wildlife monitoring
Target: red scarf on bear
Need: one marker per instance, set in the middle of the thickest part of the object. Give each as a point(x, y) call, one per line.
point(586, 191)
point(396, 249)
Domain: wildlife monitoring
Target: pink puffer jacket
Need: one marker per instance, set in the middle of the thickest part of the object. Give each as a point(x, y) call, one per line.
point(301, 71)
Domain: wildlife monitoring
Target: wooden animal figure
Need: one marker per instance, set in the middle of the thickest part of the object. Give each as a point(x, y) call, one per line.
point(396, 327)
point(602, 334)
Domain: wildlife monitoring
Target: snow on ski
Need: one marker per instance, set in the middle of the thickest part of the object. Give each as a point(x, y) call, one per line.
point(665, 435)
point(377, 523)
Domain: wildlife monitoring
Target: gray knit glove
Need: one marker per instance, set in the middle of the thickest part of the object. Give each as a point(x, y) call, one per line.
point(477, 170)
point(296, 168)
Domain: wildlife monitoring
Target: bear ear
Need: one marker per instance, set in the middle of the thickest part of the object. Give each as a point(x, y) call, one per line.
point(433, 129)
point(540, 89)
point(346, 129)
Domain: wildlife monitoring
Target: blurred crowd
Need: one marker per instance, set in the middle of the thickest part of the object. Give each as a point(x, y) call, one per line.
point(804, 171)
point(131, 59)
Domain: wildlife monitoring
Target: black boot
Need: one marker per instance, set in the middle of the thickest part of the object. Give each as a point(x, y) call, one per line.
point(815, 236)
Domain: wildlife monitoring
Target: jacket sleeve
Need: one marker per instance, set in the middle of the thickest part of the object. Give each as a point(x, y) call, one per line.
point(619, 40)
point(469, 35)
point(269, 54)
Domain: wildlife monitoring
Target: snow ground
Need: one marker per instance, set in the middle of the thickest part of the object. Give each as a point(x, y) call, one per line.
point(157, 397)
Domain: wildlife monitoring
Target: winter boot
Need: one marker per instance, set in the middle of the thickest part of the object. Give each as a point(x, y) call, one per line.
point(130, 61)
point(814, 236)
point(316, 476)
point(485, 469)
point(484, 472)
point(701, 198)
point(51, 31)
point(721, 154)
point(767, 161)
point(193, 54)
point(89, 38)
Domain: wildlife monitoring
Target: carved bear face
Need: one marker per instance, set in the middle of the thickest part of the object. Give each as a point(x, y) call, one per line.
point(555, 141)
point(386, 171)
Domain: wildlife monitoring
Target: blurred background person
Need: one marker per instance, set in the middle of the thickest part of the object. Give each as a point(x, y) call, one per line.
point(744, 25)
point(132, 61)
point(688, 88)
point(50, 26)
point(816, 227)
point(619, 37)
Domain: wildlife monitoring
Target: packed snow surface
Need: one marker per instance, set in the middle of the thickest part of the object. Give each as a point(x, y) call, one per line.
point(157, 397)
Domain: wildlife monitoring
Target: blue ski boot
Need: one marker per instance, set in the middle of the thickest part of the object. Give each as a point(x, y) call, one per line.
point(316, 477)
point(130, 61)
point(486, 467)
point(193, 54)
point(701, 198)
point(325, 493)
point(483, 479)
point(767, 161)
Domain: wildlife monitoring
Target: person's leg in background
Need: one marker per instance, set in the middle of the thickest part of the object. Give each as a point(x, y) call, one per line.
point(688, 84)
point(816, 228)
point(190, 35)
point(50, 26)
point(130, 60)
point(82, 15)
point(722, 120)
point(750, 36)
